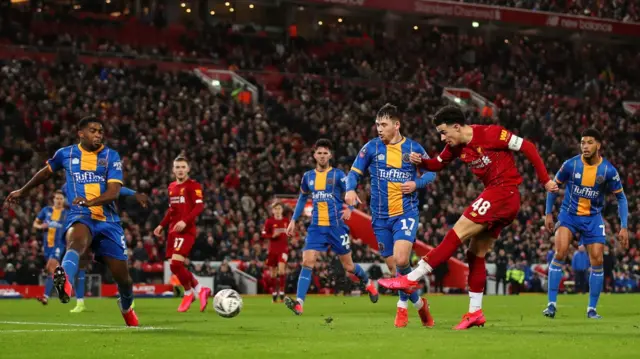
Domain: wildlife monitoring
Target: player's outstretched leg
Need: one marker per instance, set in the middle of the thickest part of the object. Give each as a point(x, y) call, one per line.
point(52, 264)
point(356, 269)
point(80, 287)
point(476, 280)
point(421, 304)
point(463, 230)
point(304, 281)
point(78, 240)
point(120, 272)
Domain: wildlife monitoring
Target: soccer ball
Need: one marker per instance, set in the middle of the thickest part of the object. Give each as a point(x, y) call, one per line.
point(227, 303)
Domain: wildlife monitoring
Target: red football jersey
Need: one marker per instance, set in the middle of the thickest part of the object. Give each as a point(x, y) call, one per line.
point(489, 155)
point(279, 243)
point(185, 204)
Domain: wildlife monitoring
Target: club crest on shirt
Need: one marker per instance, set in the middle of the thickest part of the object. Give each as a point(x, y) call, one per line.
point(311, 183)
point(181, 191)
point(102, 162)
point(405, 158)
point(329, 181)
point(381, 157)
point(380, 246)
point(75, 161)
point(600, 180)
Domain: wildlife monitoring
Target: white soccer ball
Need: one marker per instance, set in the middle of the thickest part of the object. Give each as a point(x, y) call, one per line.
point(227, 303)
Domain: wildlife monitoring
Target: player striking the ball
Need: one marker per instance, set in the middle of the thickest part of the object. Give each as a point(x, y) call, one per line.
point(185, 205)
point(589, 177)
point(94, 177)
point(275, 229)
point(51, 222)
point(488, 150)
point(394, 202)
point(326, 185)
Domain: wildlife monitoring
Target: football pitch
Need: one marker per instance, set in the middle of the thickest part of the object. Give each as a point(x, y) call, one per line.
point(331, 327)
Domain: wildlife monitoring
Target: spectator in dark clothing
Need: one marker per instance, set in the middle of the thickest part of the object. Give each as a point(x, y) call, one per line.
point(501, 271)
point(225, 278)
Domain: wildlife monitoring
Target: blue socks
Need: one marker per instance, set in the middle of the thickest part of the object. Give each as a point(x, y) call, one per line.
point(414, 297)
point(361, 274)
point(555, 276)
point(126, 296)
point(48, 285)
point(596, 279)
point(80, 284)
point(70, 264)
point(304, 281)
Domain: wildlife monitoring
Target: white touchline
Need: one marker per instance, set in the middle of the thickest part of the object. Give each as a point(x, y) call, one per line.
point(63, 324)
point(81, 330)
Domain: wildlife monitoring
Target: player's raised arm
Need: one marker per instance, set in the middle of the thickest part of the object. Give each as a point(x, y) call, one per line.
point(302, 200)
point(437, 164)
point(359, 167)
point(501, 138)
point(53, 164)
point(39, 222)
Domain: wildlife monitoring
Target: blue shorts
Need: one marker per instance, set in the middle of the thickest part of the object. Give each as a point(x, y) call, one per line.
point(591, 228)
point(320, 238)
point(53, 253)
point(107, 237)
point(390, 230)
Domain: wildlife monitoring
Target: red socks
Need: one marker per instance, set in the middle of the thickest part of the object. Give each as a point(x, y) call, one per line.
point(444, 250)
point(477, 273)
point(182, 273)
point(283, 282)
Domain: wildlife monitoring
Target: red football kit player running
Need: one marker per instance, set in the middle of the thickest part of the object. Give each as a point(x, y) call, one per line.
point(488, 150)
point(185, 204)
point(275, 231)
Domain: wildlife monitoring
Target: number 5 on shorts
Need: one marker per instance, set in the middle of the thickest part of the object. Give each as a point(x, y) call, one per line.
point(481, 206)
point(346, 243)
point(177, 244)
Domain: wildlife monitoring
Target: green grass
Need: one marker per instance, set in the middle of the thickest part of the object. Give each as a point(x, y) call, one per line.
point(515, 329)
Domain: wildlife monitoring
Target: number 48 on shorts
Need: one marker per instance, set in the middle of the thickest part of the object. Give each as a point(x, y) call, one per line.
point(496, 207)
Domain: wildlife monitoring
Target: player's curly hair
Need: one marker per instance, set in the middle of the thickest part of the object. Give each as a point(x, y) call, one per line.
point(592, 132)
point(85, 121)
point(390, 111)
point(449, 115)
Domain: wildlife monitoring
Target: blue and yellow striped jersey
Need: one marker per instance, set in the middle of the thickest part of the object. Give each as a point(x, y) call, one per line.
point(327, 192)
point(55, 219)
point(389, 167)
point(587, 185)
point(87, 174)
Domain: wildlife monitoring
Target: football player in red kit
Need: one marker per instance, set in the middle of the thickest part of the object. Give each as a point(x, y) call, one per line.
point(488, 151)
point(185, 204)
point(275, 231)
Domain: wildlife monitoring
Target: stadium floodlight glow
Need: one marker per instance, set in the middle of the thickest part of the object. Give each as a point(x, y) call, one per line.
point(227, 4)
point(188, 10)
point(231, 9)
point(183, 5)
point(301, 8)
point(415, 27)
point(251, 6)
point(108, 1)
point(339, 19)
point(475, 24)
point(212, 12)
point(320, 23)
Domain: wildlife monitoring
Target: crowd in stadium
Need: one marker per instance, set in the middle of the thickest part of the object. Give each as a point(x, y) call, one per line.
point(243, 156)
point(621, 10)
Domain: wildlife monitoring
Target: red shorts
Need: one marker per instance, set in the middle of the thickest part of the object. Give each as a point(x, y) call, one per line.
point(276, 257)
point(497, 207)
point(179, 243)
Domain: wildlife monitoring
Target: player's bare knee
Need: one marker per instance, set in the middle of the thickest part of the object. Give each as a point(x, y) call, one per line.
point(401, 260)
